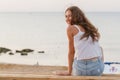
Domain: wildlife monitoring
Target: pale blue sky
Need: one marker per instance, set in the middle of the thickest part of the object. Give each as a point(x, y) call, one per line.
point(58, 5)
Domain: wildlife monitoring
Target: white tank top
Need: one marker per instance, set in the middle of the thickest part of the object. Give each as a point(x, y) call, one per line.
point(85, 48)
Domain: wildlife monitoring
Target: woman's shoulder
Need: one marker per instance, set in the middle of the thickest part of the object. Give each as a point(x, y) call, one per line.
point(70, 27)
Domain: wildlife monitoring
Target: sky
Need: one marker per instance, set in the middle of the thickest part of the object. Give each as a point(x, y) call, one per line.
point(58, 5)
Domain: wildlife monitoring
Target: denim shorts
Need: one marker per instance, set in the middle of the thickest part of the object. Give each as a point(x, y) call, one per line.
point(88, 68)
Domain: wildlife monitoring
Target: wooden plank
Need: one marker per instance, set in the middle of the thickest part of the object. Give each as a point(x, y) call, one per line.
point(54, 77)
point(37, 72)
point(30, 69)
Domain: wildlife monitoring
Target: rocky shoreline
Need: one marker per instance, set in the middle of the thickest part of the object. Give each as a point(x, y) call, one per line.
point(22, 52)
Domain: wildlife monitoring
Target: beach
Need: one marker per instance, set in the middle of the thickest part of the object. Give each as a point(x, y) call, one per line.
point(47, 32)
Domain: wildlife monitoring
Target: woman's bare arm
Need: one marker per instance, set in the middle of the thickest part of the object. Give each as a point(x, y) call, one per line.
point(71, 49)
point(102, 54)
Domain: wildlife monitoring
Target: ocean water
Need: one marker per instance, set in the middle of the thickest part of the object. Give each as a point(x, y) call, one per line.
point(46, 31)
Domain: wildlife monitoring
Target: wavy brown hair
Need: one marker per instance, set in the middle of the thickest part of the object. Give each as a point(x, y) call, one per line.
point(79, 18)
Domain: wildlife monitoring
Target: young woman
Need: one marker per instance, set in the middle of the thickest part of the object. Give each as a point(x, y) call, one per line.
point(85, 56)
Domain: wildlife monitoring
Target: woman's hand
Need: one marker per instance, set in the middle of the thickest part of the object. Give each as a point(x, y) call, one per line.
point(62, 73)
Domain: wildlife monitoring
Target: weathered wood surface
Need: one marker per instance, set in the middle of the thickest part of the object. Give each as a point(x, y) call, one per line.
point(29, 69)
point(53, 77)
point(36, 72)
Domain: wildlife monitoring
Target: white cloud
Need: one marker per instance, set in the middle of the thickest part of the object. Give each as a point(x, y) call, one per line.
point(33, 5)
point(58, 5)
point(99, 5)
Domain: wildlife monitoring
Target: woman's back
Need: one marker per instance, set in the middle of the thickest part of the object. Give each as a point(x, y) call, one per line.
point(85, 48)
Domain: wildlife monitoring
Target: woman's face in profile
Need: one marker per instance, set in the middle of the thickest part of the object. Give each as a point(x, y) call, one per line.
point(68, 16)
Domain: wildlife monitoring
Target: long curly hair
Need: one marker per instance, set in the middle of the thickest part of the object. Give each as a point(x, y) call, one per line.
point(79, 18)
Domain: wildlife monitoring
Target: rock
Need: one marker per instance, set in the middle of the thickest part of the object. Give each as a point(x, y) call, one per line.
point(27, 50)
point(18, 51)
point(24, 53)
point(11, 53)
point(4, 50)
point(41, 51)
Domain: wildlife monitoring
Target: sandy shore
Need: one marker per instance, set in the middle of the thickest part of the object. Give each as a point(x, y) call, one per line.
point(31, 69)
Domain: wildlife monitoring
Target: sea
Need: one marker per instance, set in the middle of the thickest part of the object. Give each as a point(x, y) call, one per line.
point(46, 31)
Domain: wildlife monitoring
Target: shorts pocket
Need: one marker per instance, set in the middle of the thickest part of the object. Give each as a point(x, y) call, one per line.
point(96, 72)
